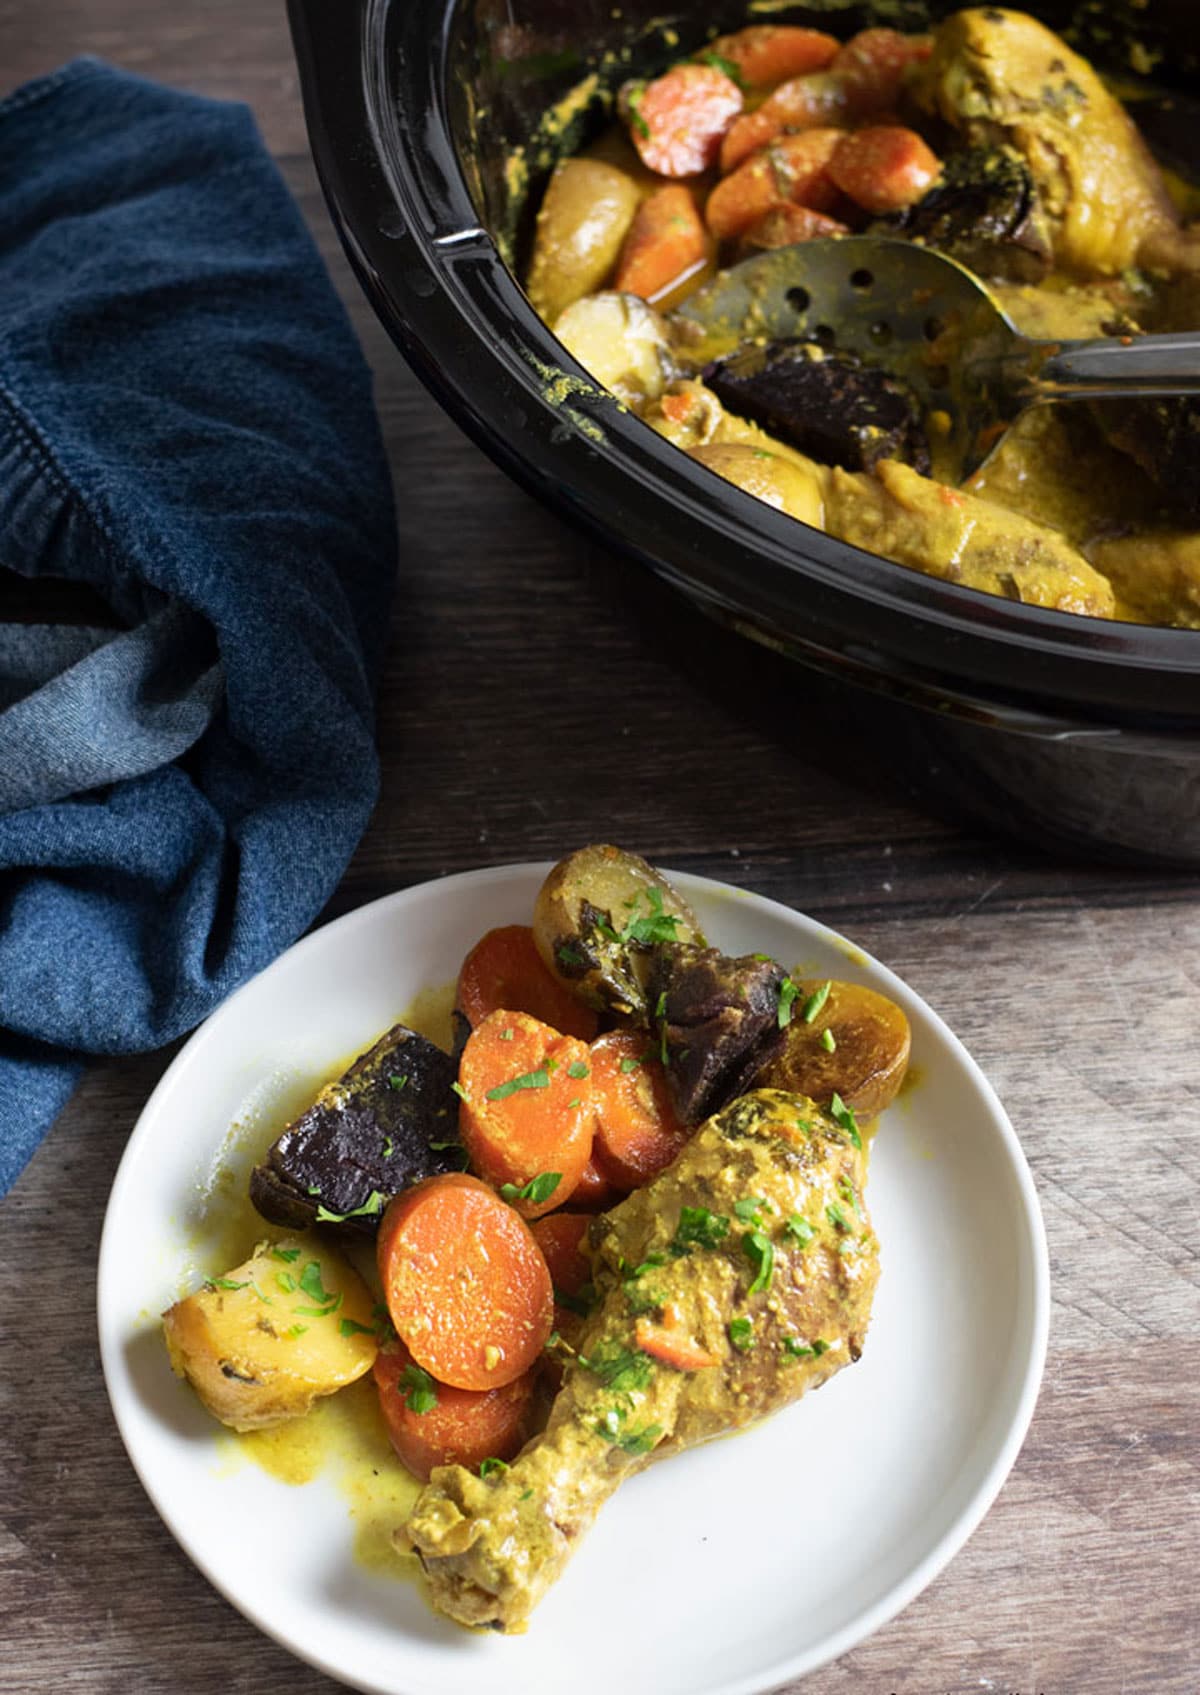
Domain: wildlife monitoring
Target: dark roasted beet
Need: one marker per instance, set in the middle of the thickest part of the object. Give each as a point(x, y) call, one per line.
point(824, 402)
point(983, 211)
point(376, 1131)
point(1163, 437)
point(712, 1011)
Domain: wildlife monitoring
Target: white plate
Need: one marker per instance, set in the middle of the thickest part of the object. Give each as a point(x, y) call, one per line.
point(723, 1571)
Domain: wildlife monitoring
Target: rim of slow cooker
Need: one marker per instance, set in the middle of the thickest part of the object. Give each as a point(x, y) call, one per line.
point(378, 104)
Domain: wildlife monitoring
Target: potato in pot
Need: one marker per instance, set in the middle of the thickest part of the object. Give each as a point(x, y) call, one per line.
point(262, 1343)
point(584, 217)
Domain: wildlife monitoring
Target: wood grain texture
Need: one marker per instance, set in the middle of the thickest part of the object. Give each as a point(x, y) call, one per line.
point(539, 694)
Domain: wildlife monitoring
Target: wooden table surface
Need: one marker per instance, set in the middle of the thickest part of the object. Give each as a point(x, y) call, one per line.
point(1077, 989)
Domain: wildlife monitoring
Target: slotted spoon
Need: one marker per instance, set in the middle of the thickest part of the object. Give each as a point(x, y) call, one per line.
point(926, 319)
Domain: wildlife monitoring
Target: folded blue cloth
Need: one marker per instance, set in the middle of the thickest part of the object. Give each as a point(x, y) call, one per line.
point(186, 426)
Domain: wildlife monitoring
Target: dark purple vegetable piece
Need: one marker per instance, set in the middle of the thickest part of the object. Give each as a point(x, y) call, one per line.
point(983, 211)
point(386, 1123)
point(824, 402)
point(711, 1011)
point(1163, 437)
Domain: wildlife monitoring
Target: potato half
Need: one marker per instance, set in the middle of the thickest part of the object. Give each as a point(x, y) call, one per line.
point(865, 1064)
point(260, 1344)
point(597, 916)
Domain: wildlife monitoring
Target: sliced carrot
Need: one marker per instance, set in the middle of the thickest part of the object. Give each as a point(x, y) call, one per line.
point(666, 241)
point(433, 1423)
point(466, 1285)
point(594, 1191)
point(862, 81)
point(765, 54)
point(783, 226)
point(559, 1237)
point(872, 66)
point(672, 1346)
point(525, 1109)
point(505, 972)
point(638, 1132)
point(676, 122)
point(794, 168)
point(883, 168)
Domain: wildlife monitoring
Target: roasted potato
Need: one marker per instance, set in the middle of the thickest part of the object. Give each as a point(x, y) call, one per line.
point(260, 1344)
point(583, 220)
point(622, 342)
point(866, 1063)
point(597, 917)
point(780, 482)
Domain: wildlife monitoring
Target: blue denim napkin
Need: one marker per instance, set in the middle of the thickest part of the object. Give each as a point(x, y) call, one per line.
point(185, 425)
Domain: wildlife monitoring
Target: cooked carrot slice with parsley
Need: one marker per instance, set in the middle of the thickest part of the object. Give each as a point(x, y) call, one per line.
point(432, 1423)
point(784, 226)
point(884, 168)
point(505, 972)
point(525, 1109)
point(638, 1132)
point(765, 54)
point(676, 122)
point(666, 241)
point(794, 168)
point(672, 1345)
point(466, 1285)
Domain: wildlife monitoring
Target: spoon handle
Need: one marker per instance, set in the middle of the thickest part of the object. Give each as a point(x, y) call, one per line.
point(1149, 365)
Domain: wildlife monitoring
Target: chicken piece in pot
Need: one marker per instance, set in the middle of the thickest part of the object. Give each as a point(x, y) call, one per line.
point(737, 1280)
point(1001, 77)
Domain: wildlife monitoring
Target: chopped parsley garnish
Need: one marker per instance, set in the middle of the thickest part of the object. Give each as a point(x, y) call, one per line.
point(629, 1441)
point(418, 1389)
point(758, 1249)
point(285, 1281)
point(719, 62)
point(660, 926)
point(229, 1283)
point(567, 954)
point(836, 1216)
point(741, 1334)
point(539, 1079)
point(398, 1080)
point(628, 1065)
point(351, 1327)
point(804, 1350)
point(387, 1147)
point(287, 1255)
point(751, 1208)
point(296, 1330)
point(828, 1040)
point(622, 1369)
point(698, 1228)
point(334, 1303)
point(844, 1115)
point(800, 1229)
point(537, 1190)
point(375, 1202)
point(488, 1466)
point(464, 1159)
point(633, 101)
point(311, 1284)
point(849, 1193)
point(815, 1002)
point(783, 1010)
point(505, 1036)
point(459, 1090)
point(526, 1493)
point(578, 1069)
point(571, 1105)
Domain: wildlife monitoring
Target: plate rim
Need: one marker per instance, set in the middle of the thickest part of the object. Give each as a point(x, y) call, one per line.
point(1036, 1320)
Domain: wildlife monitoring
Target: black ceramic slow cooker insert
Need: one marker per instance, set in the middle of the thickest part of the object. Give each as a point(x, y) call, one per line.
point(426, 119)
